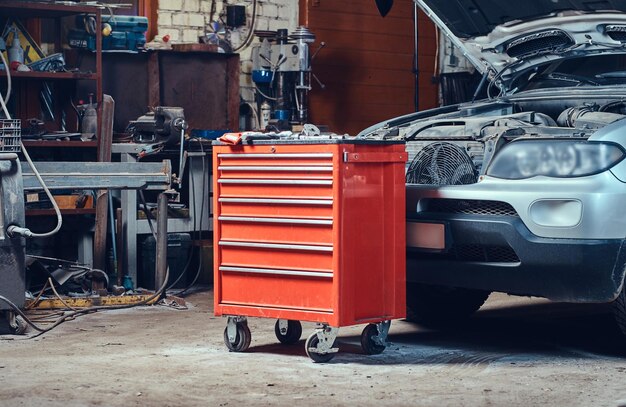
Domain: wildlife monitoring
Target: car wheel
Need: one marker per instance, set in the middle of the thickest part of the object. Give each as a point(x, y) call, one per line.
point(439, 306)
point(619, 310)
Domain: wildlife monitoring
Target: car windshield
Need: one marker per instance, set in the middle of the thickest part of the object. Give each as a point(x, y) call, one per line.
point(599, 70)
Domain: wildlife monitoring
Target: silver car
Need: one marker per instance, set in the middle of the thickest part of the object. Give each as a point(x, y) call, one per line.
point(523, 192)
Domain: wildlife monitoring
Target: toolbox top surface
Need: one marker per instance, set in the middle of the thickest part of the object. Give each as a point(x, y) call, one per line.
point(310, 140)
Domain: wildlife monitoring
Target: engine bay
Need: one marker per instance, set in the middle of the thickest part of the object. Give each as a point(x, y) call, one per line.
point(455, 148)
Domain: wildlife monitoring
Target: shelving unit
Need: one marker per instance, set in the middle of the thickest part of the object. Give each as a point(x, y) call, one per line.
point(64, 85)
point(51, 75)
point(28, 11)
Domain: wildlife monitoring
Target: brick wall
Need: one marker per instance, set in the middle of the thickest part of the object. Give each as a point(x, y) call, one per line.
point(185, 20)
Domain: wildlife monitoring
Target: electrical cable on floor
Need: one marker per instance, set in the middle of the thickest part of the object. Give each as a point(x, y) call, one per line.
point(36, 300)
point(80, 312)
point(58, 296)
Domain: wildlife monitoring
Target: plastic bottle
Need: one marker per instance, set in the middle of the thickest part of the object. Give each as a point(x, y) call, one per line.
point(266, 111)
point(89, 123)
point(15, 52)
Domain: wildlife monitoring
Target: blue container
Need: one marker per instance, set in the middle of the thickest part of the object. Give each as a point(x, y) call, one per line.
point(281, 115)
point(128, 33)
point(262, 76)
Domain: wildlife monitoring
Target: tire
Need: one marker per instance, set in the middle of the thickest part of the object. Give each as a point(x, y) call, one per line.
point(619, 310)
point(368, 344)
point(294, 332)
point(312, 342)
point(441, 307)
point(242, 340)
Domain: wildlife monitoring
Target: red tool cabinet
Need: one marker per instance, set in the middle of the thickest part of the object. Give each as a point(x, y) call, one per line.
point(310, 230)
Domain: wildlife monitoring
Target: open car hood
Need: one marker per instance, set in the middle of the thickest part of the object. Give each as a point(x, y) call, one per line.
point(503, 37)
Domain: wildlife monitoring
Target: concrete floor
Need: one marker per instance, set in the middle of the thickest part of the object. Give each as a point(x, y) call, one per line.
point(514, 352)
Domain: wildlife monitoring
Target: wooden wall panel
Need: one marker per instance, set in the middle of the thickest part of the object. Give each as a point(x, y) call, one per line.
point(367, 64)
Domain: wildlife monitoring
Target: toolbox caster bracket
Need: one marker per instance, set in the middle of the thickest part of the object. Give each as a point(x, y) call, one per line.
point(326, 336)
point(283, 326)
point(231, 327)
point(383, 331)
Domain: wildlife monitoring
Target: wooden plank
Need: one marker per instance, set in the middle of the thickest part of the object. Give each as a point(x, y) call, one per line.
point(154, 80)
point(232, 94)
point(105, 139)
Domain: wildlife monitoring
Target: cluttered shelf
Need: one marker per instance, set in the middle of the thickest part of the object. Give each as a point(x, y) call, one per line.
point(21, 9)
point(51, 75)
point(60, 143)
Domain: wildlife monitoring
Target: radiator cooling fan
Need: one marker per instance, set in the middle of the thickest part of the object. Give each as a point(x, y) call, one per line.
point(442, 164)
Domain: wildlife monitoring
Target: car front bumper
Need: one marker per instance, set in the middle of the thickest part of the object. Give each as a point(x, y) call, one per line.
point(493, 238)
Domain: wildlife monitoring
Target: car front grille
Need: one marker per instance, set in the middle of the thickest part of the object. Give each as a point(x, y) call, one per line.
point(469, 207)
point(473, 253)
point(616, 32)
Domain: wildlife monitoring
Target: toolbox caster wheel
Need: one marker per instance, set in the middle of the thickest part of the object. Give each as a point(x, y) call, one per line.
point(288, 332)
point(242, 339)
point(311, 344)
point(368, 343)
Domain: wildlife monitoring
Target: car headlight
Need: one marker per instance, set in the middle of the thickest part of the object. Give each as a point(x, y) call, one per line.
point(554, 158)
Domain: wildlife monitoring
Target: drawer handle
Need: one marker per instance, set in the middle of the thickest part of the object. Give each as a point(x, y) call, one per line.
point(285, 155)
point(276, 220)
point(276, 181)
point(282, 246)
point(321, 202)
point(278, 272)
point(273, 168)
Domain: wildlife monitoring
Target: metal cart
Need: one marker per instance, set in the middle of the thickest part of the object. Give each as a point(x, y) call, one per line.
point(310, 230)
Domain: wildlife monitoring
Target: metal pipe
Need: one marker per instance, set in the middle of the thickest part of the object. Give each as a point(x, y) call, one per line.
point(161, 243)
